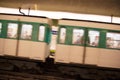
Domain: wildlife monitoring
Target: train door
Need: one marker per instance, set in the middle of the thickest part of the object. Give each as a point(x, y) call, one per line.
point(62, 49)
point(92, 48)
point(10, 36)
point(85, 45)
point(70, 47)
point(77, 48)
point(77, 45)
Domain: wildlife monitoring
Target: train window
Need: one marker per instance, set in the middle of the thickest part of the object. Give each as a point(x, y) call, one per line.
point(93, 38)
point(78, 36)
point(41, 33)
point(0, 27)
point(12, 30)
point(26, 32)
point(113, 40)
point(62, 35)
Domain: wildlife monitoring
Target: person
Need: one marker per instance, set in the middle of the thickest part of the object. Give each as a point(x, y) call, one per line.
point(9, 33)
point(62, 37)
point(79, 39)
point(118, 46)
point(109, 42)
point(95, 43)
point(26, 35)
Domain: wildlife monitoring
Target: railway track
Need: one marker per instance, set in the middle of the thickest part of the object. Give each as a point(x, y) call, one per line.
point(19, 69)
point(8, 75)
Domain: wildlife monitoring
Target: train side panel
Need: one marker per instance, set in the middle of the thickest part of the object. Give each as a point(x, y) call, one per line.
point(99, 55)
point(30, 48)
point(76, 54)
point(38, 48)
point(1, 46)
point(69, 54)
point(92, 55)
point(10, 47)
point(109, 58)
point(34, 48)
point(62, 53)
point(9, 41)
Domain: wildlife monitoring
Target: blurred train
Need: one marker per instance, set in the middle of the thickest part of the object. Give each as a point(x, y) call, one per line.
point(77, 41)
point(24, 36)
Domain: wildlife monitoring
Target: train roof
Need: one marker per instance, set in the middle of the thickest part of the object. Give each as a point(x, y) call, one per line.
point(23, 15)
point(90, 21)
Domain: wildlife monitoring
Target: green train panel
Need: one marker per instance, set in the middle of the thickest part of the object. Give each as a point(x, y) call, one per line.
point(88, 43)
point(24, 36)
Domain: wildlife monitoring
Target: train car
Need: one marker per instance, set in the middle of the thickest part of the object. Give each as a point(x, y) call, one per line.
point(87, 42)
point(24, 36)
point(80, 42)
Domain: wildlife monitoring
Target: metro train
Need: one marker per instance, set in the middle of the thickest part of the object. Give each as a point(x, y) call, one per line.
point(78, 42)
point(24, 36)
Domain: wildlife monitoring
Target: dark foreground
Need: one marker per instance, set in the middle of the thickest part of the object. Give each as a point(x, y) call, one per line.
point(12, 68)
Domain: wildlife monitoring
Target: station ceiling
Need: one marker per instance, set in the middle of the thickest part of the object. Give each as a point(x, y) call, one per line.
point(99, 7)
